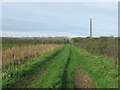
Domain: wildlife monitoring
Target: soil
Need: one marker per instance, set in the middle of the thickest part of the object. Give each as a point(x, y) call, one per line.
point(83, 80)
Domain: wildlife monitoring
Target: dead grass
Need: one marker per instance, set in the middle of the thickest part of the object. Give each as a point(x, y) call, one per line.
point(107, 46)
point(17, 53)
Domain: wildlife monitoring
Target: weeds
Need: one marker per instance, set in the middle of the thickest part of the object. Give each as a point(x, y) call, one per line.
point(107, 46)
point(27, 70)
point(18, 55)
point(57, 69)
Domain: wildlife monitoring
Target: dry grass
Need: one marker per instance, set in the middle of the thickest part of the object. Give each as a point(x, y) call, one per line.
point(107, 46)
point(17, 53)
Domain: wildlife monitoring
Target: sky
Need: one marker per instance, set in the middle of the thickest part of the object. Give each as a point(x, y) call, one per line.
point(69, 19)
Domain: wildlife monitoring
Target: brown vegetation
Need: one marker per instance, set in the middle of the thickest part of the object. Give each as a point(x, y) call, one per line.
point(107, 46)
point(17, 53)
point(83, 80)
point(35, 40)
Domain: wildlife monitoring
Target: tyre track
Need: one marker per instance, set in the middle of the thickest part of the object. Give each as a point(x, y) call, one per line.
point(65, 72)
point(56, 72)
point(38, 75)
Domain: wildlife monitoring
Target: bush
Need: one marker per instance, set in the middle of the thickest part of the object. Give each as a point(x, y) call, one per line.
point(103, 46)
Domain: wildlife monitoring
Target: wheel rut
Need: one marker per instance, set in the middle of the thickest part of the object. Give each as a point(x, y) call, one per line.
point(30, 80)
point(65, 72)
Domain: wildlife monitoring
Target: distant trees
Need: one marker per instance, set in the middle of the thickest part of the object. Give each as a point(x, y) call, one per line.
point(36, 40)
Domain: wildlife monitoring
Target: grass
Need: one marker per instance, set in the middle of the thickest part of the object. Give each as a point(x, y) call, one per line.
point(6, 46)
point(102, 69)
point(57, 70)
point(107, 46)
point(55, 77)
point(17, 55)
point(14, 76)
point(61, 73)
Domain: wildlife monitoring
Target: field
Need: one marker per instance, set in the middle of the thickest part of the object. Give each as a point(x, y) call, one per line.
point(57, 66)
point(17, 54)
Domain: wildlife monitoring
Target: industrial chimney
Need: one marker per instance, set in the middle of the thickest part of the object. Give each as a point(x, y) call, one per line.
point(90, 27)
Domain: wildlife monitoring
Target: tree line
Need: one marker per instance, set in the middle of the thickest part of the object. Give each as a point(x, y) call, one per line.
point(36, 40)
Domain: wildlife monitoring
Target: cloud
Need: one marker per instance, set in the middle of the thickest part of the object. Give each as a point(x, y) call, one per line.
point(39, 34)
point(59, 18)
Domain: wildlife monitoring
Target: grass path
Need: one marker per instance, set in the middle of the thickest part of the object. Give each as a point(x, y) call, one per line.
point(59, 69)
point(102, 69)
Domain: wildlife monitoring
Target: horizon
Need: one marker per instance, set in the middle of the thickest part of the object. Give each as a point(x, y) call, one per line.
point(59, 19)
point(62, 37)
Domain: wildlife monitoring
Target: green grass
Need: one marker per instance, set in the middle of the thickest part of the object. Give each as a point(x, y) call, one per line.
point(6, 46)
point(100, 68)
point(0, 46)
point(57, 70)
point(14, 76)
point(55, 76)
point(15, 64)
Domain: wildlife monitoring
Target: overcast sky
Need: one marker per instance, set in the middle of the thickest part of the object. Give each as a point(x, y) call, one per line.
point(59, 19)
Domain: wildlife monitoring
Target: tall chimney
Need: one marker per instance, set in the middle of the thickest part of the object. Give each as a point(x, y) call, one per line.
point(90, 27)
